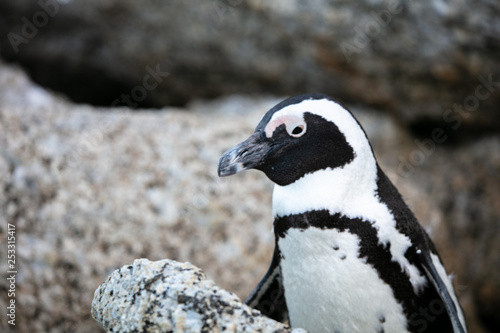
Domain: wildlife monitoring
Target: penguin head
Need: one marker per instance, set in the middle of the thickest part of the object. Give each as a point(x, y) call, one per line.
point(300, 136)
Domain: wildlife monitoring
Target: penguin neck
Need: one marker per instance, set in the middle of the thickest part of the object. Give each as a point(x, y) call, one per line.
point(341, 190)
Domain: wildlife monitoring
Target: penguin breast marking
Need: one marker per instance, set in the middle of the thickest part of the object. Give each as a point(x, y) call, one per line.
point(342, 289)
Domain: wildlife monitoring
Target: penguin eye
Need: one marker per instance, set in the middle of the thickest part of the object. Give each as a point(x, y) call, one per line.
point(296, 130)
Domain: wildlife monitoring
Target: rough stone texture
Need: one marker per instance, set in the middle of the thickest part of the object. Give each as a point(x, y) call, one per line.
point(415, 59)
point(465, 185)
point(168, 296)
point(92, 189)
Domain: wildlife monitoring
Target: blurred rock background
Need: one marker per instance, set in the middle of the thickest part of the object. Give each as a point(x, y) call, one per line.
point(113, 115)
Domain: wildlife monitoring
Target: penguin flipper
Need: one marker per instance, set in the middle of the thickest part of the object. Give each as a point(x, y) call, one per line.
point(269, 296)
point(452, 307)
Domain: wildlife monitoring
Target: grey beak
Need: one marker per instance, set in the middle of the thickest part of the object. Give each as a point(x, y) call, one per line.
point(247, 155)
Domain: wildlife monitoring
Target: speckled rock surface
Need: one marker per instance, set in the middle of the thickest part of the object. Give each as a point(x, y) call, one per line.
point(168, 296)
point(91, 190)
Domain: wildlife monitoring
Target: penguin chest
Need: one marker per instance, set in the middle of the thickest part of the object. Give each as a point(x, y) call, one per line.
point(329, 288)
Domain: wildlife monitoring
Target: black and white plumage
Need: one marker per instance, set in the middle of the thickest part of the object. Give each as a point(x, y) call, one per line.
point(350, 256)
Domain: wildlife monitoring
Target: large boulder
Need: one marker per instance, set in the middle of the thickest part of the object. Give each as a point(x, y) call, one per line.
point(432, 62)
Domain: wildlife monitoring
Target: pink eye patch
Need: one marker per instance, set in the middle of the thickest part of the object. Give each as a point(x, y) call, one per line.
point(290, 122)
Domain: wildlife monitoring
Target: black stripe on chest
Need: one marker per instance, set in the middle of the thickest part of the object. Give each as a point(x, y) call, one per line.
point(375, 254)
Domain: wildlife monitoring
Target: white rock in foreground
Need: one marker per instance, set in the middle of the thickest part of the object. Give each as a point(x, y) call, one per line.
point(168, 296)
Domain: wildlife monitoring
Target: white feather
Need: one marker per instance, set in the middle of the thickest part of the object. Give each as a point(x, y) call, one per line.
point(447, 282)
point(326, 293)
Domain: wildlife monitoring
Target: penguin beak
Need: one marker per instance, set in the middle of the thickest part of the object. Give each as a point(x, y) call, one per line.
point(247, 155)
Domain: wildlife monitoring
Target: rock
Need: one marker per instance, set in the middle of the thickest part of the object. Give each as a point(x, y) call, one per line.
point(425, 62)
point(91, 189)
point(464, 183)
point(168, 296)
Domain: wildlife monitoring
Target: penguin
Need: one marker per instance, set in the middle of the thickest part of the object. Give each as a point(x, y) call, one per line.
point(349, 255)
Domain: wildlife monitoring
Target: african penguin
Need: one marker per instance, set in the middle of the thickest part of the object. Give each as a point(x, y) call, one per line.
point(350, 256)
